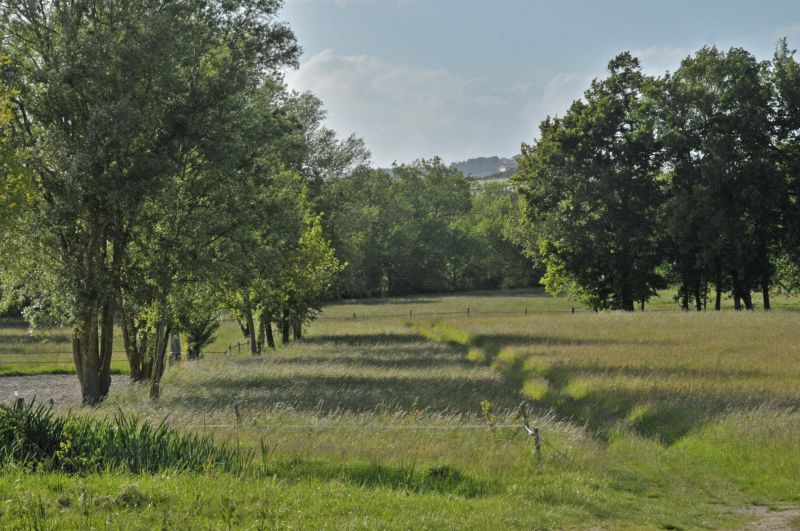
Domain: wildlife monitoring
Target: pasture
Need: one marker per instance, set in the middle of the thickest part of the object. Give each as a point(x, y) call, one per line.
point(406, 416)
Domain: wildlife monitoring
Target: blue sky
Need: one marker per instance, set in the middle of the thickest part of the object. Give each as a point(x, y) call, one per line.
point(468, 78)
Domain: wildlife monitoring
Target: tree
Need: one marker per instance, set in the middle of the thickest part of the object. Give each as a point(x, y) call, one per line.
point(785, 80)
point(490, 257)
point(724, 212)
point(120, 104)
point(592, 192)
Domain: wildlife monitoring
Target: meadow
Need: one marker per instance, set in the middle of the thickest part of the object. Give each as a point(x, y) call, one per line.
point(24, 350)
point(405, 415)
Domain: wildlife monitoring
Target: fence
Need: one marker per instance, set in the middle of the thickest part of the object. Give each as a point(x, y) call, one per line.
point(69, 360)
point(467, 312)
point(472, 312)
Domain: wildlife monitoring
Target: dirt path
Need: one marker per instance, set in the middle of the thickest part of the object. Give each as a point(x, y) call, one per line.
point(63, 389)
point(781, 520)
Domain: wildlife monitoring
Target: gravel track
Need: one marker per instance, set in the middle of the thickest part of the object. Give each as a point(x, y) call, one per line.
point(63, 389)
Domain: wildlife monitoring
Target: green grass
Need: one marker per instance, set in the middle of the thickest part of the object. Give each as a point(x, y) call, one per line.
point(654, 420)
point(26, 351)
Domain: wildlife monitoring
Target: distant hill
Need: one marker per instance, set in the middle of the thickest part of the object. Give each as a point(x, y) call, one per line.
point(487, 167)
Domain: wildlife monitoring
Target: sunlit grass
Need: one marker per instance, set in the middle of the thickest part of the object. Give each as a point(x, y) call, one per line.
point(25, 350)
point(648, 420)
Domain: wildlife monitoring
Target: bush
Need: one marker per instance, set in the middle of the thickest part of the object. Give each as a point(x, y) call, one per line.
point(34, 437)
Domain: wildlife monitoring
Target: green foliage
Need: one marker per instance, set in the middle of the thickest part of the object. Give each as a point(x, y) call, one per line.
point(689, 179)
point(35, 438)
point(199, 334)
point(147, 126)
point(424, 228)
point(723, 216)
point(590, 184)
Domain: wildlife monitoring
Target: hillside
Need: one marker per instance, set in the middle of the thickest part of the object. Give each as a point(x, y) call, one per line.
point(486, 167)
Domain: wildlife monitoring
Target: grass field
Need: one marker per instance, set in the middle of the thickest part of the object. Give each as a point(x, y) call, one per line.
point(26, 351)
point(406, 417)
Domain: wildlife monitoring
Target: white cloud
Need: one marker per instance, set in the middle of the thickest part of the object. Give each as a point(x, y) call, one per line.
point(656, 60)
point(406, 113)
point(557, 96)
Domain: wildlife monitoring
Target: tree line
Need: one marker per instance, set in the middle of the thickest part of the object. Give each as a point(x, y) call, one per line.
point(425, 228)
point(155, 170)
point(157, 173)
point(690, 179)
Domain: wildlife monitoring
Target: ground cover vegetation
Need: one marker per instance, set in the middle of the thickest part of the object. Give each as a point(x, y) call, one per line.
point(648, 420)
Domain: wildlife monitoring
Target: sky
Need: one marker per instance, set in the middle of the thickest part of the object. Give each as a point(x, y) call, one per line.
point(467, 78)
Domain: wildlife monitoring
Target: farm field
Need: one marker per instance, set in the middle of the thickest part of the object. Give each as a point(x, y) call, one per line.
point(406, 416)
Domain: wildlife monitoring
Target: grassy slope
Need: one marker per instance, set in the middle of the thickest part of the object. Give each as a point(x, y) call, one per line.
point(676, 420)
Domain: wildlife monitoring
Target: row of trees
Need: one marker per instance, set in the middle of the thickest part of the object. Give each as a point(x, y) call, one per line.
point(424, 228)
point(155, 170)
point(688, 179)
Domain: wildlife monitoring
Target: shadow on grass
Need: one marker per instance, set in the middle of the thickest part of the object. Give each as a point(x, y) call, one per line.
point(661, 414)
point(401, 361)
point(352, 394)
point(498, 341)
point(439, 479)
point(365, 339)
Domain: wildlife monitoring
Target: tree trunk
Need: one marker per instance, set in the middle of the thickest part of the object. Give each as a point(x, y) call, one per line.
point(297, 328)
point(765, 293)
point(144, 349)
point(642, 305)
point(268, 330)
point(253, 337)
point(90, 361)
point(627, 303)
point(243, 327)
point(106, 347)
point(285, 326)
point(175, 347)
point(261, 333)
point(718, 300)
point(127, 344)
point(747, 297)
point(159, 352)
point(698, 300)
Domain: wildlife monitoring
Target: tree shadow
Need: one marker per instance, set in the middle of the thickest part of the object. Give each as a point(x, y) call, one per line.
point(351, 340)
point(500, 341)
point(399, 361)
point(325, 393)
point(660, 414)
point(436, 479)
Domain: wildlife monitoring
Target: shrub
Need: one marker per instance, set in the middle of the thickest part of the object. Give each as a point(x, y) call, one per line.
point(34, 437)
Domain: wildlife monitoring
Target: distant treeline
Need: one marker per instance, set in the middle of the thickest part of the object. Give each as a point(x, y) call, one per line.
point(425, 228)
point(690, 179)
